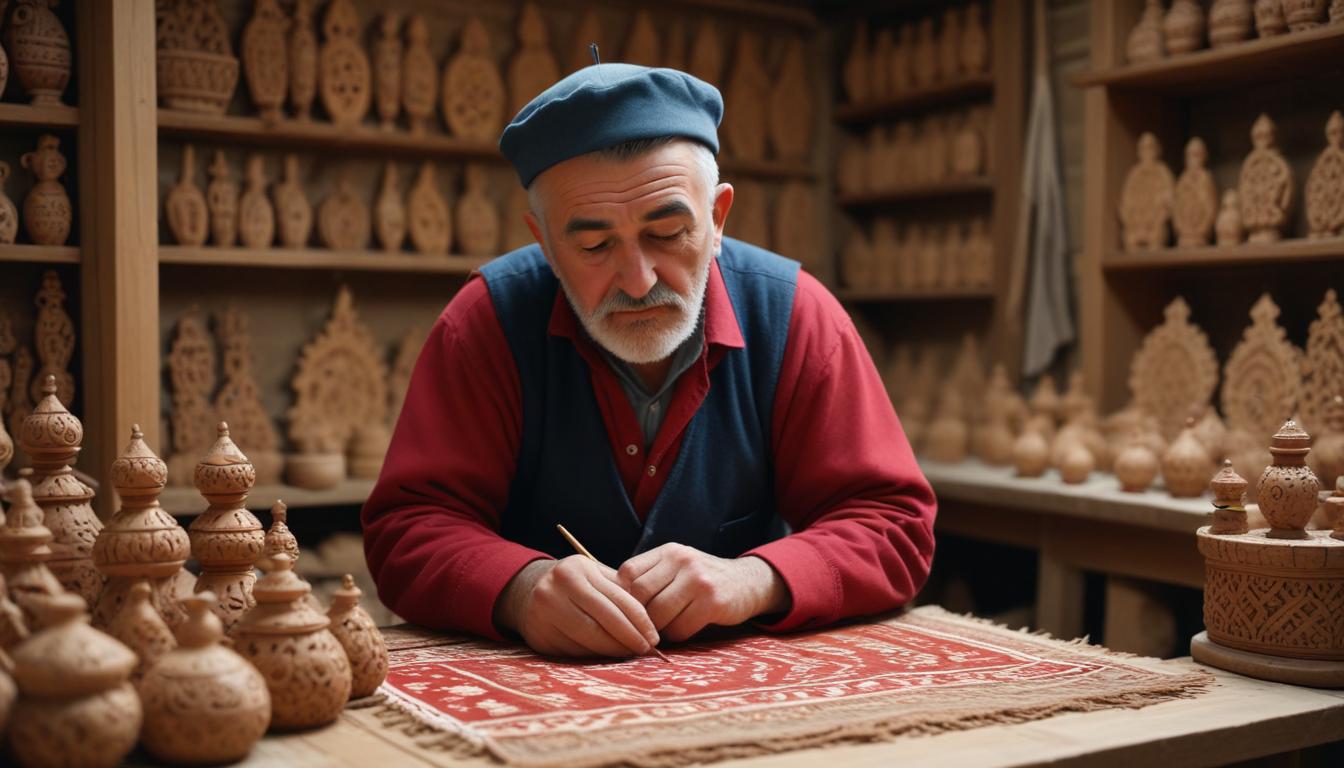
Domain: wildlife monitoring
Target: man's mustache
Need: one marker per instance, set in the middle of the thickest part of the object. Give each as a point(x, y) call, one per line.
point(661, 295)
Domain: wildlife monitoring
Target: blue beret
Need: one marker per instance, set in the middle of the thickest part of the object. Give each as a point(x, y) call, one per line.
point(603, 105)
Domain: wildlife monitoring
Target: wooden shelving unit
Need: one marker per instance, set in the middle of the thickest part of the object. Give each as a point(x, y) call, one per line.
point(186, 502)
point(40, 254)
point(966, 89)
point(316, 258)
point(932, 191)
point(860, 296)
point(42, 116)
point(1284, 252)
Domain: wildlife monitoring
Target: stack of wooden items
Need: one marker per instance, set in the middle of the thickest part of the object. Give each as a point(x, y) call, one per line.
point(1182, 30)
point(152, 663)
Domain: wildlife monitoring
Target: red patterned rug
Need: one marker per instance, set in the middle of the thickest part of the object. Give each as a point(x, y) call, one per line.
point(925, 671)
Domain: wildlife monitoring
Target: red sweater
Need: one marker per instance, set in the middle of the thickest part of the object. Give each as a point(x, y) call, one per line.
point(845, 478)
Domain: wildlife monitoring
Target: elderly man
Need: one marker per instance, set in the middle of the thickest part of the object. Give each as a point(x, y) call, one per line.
point(697, 411)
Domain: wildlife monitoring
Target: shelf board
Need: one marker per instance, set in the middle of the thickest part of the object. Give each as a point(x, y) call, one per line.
point(859, 295)
point(1218, 255)
point(319, 135)
point(768, 169)
point(967, 89)
point(318, 258)
point(186, 502)
point(40, 254)
point(1263, 60)
point(43, 116)
point(982, 185)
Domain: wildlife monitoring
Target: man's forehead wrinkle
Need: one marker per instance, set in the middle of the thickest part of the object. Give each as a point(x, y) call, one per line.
point(656, 176)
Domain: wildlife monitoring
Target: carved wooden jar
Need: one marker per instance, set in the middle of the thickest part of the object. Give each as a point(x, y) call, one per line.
point(227, 539)
point(359, 636)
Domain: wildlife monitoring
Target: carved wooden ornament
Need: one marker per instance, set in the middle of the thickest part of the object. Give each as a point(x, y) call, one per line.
point(293, 212)
point(1227, 226)
point(1265, 187)
point(1183, 27)
point(1145, 199)
point(343, 67)
point(1325, 185)
point(387, 66)
point(791, 107)
point(473, 93)
point(587, 33)
point(221, 197)
point(707, 53)
point(185, 207)
point(1195, 203)
point(1230, 21)
point(46, 209)
point(1269, 18)
point(256, 218)
point(419, 76)
point(196, 68)
point(749, 223)
point(745, 103)
point(302, 50)
point(266, 58)
point(191, 368)
point(1145, 42)
point(9, 215)
point(1323, 370)
point(389, 213)
point(642, 46)
point(477, 219)
point(533, 68)
point(54, 340)
point(1262, 379)
point(1174, 370)
point(429, 219)
point(343, 219)
point(238, 401)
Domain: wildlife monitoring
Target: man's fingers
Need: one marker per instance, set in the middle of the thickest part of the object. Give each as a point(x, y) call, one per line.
point(653, 581)
point(670, 602)
point(632, 608)
point(636, 566)
point(692, 619)
point(609, 618)
point(580, 626)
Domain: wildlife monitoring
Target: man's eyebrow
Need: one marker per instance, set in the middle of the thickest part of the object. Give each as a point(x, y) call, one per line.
point(586, 225)
point(674, 208)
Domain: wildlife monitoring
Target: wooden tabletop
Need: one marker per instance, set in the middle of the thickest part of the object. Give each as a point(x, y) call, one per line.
point(1239, 718)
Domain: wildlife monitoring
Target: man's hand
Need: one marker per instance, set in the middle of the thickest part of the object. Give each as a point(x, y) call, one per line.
point(684, 590)
point(574, 607)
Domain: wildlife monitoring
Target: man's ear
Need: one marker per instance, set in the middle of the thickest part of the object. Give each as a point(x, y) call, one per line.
point(535, 226)
point(723, 202)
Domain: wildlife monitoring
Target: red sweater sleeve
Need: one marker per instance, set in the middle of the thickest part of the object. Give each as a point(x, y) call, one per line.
point(431, 525)
point(845, 476)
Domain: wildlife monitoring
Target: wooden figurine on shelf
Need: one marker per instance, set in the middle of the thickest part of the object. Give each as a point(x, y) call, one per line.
point(302, 58)
point(266, 60)
point(221, 198)
point(1145, 199)
point(40, 51)
point(675, 53)
point(641, 46)
point(343, 67)
point(256, 218)
point(477, 220)
point(473, 93)
point(1228, 224)
point(1184, 27)
point(46, 209)
point(879, 65)
point(389, 213)
point(1175, 345)
point(293, 212)
point(1269, 18)
point(1136, 466)
point(925, 61)
point(1325, 185)
point(1263, 376)
point(359, 636)
point(1230, 21)
point(1031, 453)
point(386, 63)
point(196, 68)
point(1265, 187)
point(1195, 202)
point(707, 55)
point(533, 68)
point(949, 45)
point(1288, 488)
point(184, 207)
point(343, 219)
point(419, 76)
point(1186, 465)
point(238, 401)
point(54, 339)
point(226, 539)
point(191, 368)
point(1145, 41)
point(744, 124)
point(857, 72)
point(1302, 15)
point(587, 33)
point(974, 42)
point(9, 215)
point(428, 218)
point(900, 75)
point(791, 106)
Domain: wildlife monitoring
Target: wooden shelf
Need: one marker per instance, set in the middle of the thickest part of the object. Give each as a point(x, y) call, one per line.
point(977, 88)
point(859, 295)
point(318, 135)
point(40, 254)
point(186, 502)
point(982, 185)
point(1264, 60)
point(55, 116)
point(768, 169)
point(1219, 255)
point(317, 258)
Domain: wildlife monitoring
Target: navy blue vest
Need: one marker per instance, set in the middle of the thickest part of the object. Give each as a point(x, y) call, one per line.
point(719, 497)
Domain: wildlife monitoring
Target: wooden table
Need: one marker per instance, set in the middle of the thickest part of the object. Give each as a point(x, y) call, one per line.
point(1093, 526)
point(1238, 719)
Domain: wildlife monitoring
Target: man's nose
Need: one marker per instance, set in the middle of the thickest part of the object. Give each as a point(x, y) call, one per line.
point(636, 276)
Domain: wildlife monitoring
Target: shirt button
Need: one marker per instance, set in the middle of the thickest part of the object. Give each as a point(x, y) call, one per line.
point(632, 449)
point(653, 407)
point(652, 470)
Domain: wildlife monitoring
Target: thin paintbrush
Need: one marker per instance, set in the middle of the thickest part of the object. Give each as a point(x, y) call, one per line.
point(582, 550)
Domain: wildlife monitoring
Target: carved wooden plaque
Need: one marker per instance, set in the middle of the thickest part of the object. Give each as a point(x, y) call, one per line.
point(386, 63)
point(745, 105)
point(1263, 377)
point(419, 76)
point(389, 212)
point(473, 93)
point(343, 67)
point(642, 46)
point(791, 107)
point(427, 213)
point(1145, 199)
point(477, 219)
point(185, 208)
point(293, 212)
point(256, 218)
point(1195, 202)
point(533, 68)
point(343, 219)
point(1323, 371)
point(1265, 186)
point(1174, 370)
point(1325, 185)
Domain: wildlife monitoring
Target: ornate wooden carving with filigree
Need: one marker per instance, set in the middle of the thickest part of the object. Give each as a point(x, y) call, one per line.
point(1174, 370)
point(1263, 377)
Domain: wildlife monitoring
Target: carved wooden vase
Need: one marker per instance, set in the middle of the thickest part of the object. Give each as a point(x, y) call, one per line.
point(1269, 18)
point(1031, 453)
point(359, 636)
point(1183, 27)
point(343, 219)
point(1136, 466)
point(185, 207)
point(139, 627)
point(477, 219)
point(1077, 464)
point(197, 70)
point(142, 541)
point(256, 218)
point(304, 665)
point(419, 76)
point(1145, 40)
point(1186, 465)
point(227, 539)
point(24, 554)
point(40, 49)
point(221, 197)
point(204, 704)
point(1230, 21)
point(52, 438)
point(46, 209)
point(266, 60)
point(389, 212)
point(293, 212)
point(1287, 489)
point(429, 219)
point(76, 705)
point(1227, 225)
point(1195, 201)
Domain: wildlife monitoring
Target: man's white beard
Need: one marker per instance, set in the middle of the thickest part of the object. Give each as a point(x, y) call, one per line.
point(647, 341)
